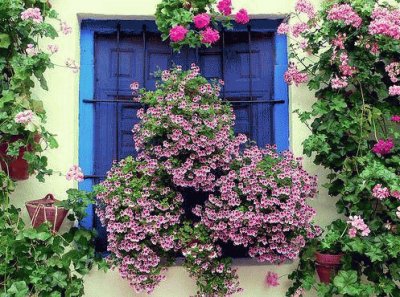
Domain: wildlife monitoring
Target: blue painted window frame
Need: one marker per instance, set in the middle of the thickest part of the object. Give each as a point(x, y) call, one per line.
point(86, 90)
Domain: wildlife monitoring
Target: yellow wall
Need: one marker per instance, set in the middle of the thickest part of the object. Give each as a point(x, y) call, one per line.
point(61, 102)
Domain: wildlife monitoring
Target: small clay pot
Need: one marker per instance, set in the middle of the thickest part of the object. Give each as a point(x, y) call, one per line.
point(327, 266)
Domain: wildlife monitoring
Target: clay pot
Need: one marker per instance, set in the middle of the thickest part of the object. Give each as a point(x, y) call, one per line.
point(44, 210)
point(327, 266)
point(15, 167)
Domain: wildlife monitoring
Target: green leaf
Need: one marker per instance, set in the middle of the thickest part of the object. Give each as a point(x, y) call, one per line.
point(346, 282)
point(5, 40)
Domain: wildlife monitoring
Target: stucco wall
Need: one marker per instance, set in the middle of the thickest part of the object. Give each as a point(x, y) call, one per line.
point(61, 102)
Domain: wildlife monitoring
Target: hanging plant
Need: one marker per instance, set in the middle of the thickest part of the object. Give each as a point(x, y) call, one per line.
point(195, 22)
point(185, 141)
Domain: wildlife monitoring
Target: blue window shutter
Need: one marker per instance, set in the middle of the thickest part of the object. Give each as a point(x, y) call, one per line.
point(281, 111)
point(86, 117)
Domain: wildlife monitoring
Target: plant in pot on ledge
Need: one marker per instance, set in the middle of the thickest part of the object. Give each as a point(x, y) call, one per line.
point(23, 135)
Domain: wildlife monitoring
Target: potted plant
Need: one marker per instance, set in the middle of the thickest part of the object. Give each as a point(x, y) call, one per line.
point(45, 210)
point(195, 23)
point(329, 251)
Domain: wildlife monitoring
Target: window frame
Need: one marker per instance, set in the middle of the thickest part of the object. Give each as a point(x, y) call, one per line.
point(90, 27)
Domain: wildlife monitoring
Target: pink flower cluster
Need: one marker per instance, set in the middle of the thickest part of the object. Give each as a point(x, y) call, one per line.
point(394, 90)
point(357, 225)
point(306, 7)
point(299, 28)
point(293, 75)
point(283, 28)
point(195, 140)
point(201, 20)
point(383, 147)
point(178, 33)
point(272, 279)
point(385, 22)
point(33, 14)
point(262, 205)
point(75, 173)
point(393, 70)
point(141, 217)
point(380, 192)
point(225, 7)
point(345, 13)
point(242, 17)
point(395, 119)
point(24, 117)
point(209, 36)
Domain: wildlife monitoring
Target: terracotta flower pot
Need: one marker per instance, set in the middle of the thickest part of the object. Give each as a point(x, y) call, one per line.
point(15, 167)
point(327, 266)
point(44, 210)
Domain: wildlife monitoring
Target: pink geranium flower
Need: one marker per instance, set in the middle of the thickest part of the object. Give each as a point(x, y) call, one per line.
point(201, 20)
point(293, 75)
point(24, 117)
point(394, 91)
point(209, 36)
point(345, 13)
point(75, 173)
point(283, 28)
point(225, 7)
point(380, 192)
point(272, 279)
point(383, 147)
point(178, 33)
point(306, 7)
point(242, 17)
point(32, 13)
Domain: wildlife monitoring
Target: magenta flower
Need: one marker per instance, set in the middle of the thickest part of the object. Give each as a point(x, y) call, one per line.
point(352, 232)
point(394, 91)
point(201, 20)
point(383, 147)
point(178, 33)
point(225, 7)
point(242, 17)
point(272, 279)
point(209, 36)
